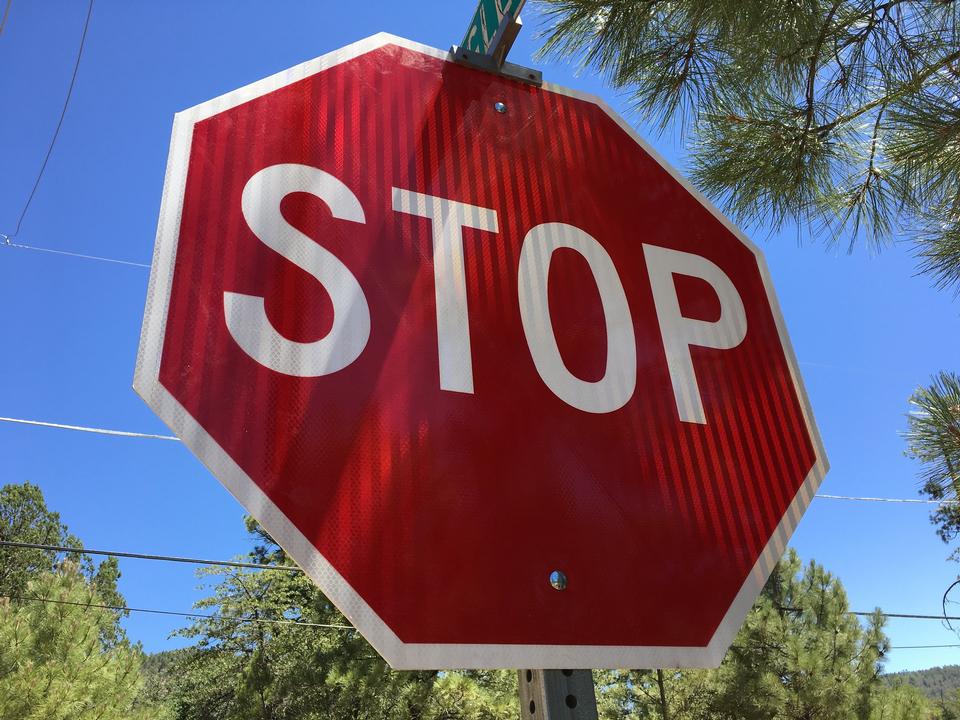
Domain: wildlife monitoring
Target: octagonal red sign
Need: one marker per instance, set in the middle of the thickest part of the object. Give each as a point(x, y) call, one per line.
point(447, 335)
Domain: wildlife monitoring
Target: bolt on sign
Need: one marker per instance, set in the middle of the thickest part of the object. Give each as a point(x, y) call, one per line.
point(493, 374)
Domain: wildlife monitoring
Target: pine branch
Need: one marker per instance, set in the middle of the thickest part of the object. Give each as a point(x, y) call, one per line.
point(933, 438)
point(825, 113)
point(911, 86)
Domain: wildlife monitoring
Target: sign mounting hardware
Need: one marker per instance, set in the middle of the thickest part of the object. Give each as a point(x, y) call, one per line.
point(491, 34)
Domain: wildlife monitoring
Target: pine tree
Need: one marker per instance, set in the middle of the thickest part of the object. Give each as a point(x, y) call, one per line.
point(25, 518)
point(800, 654)
point(59, 657)
point(54, 662)
point(269, 671)
point(839, 116)
point(933, 437)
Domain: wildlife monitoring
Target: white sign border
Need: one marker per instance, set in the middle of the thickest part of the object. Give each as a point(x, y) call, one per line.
point(399, 654)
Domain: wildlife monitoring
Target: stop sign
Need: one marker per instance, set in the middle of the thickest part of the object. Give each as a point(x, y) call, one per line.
point(506, 387)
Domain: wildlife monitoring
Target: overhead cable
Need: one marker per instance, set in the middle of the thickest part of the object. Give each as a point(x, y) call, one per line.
point(83, 428)
point(270, 621)
point(6, 12)
point(292, 568)
point(888, 500)
point(146, 556)
point(63, 113)
point(127, 433)
point(153, 611)
point(904, 616)
point(7, 243)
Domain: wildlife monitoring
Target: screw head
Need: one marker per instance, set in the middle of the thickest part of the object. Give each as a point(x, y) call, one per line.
point(500, 107)
point(558, 581)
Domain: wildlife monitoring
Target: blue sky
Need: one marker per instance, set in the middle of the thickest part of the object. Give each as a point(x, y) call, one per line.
point(865, 328)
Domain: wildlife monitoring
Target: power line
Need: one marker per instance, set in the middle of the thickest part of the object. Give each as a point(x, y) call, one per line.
point(269, 621)
point(63, 113)
point(293, 568)
point(83, 428)
point(151, 436)
point(888, 500)
point(100, 258)
point(154, 611)
point(904, 616)
point(300, 623)
point(6, 12)
point(145, 556)
point(127, 433)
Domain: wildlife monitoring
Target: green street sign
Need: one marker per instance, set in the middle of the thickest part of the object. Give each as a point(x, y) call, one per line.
point(485, 22)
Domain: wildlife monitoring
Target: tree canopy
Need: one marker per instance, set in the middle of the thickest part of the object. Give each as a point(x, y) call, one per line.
point(933, 437)
point(54, 664)
point(240, 667)
point(800, 654)
point(839, 116)
point(61, 656)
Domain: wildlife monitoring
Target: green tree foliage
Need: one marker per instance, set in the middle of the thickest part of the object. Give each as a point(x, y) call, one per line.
point(802, 653)
point(158, 673)
point(841, 116)
point(904, 702)
point(54, 664)
point(935, 683)
point(25, 518)
point(940, 686)
point(799, 655)
point(933, 438)
point(271, 671)
point(59, 657)
point(838, 114)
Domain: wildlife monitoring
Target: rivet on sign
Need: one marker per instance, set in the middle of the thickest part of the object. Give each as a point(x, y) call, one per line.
point(558, 581)
point(500, 107)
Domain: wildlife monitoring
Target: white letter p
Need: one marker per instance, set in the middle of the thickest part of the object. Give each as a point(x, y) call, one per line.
point(679, 332)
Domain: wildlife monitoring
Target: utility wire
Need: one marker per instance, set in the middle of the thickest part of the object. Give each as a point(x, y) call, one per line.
point(268, 621)
point(301, 623)
point(145, 556)
point(889, 500)
point(904, 616)
point(63, 113)
point(7, 243)
point(6, 12)
point(292, 568)
point(153, 611)
point(127, 433)
point(83, 428)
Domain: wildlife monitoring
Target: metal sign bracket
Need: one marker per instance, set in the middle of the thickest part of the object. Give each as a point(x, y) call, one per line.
point(494, 60)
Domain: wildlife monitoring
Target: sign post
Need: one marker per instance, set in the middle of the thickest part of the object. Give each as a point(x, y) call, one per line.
point(544, 694)
point(415, 316)
point(557, 694)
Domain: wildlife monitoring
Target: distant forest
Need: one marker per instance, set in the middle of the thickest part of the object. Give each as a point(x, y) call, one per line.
point(935, 682)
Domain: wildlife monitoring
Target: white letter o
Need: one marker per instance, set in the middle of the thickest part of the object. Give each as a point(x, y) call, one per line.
point(615, 388)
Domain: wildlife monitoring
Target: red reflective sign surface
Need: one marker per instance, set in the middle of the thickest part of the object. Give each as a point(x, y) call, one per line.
point(446, 511)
